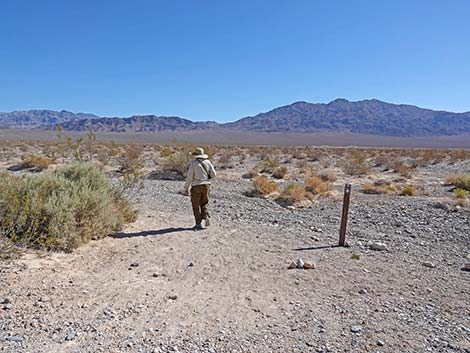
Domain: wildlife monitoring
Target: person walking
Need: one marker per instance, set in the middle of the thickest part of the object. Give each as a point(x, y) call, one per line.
point(198, 182)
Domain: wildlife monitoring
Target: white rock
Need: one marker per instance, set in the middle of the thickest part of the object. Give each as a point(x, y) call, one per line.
point(378, 246)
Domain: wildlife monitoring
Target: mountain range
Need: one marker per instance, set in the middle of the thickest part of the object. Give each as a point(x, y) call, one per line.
point(366, 117)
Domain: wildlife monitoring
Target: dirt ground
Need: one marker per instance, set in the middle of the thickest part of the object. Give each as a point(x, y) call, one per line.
point(161, 287)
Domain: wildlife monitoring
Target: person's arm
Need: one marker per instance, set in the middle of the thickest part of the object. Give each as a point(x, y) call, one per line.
point(212, 172)
point(189, 179)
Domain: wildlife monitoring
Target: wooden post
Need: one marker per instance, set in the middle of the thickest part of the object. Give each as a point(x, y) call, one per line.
point(344, 216)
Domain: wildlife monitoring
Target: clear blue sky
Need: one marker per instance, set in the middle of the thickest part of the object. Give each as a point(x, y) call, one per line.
point(221, 60)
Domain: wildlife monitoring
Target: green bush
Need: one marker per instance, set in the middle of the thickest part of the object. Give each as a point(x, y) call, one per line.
point(62, 209)
point(462, 182)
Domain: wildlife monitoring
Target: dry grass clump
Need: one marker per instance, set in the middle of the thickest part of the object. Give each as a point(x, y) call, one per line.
point(460, 193)
point(35, 162)
point(378, 187)
point(408, 190)
point(292, 194)
point(62, 209)
point(315, 185)
point(265, 186)
point(280, 172)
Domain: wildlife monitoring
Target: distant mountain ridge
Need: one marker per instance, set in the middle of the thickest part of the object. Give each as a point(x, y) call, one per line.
point(136, 123)
point(38, 118)
point(366, 117)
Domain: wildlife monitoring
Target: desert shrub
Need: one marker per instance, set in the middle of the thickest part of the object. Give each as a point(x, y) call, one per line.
point(35, 161)
point(356, 164)
point(402, 169)
point(280, 172)
point(292, 194)
point(460, 193)
point(264, 186)
point(378, 187)
point(178, 161)
point(450, 179)
point(408, 190)
point(327, 175)
point(462, 182)
point(268, 166)
point(316, 185)
point(62, 209)
point(225, 158)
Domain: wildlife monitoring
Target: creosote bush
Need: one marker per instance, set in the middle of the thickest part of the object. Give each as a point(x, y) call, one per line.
point(61, 209)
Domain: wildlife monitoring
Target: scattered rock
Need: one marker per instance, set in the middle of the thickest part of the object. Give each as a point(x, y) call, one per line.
point(378, 246)
point(8, 306)
point(429, 264)
point(155, 275)
point(362, 291)
point(134, 264)
point(299, 263)
point(173, 297)
point(17, 339)
point(71, 335)
point(356, 329)
point(309, 265)
point(380, 343)
point(292, 265)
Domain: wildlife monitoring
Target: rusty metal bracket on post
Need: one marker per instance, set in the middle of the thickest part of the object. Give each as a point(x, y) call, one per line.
point(344, 216)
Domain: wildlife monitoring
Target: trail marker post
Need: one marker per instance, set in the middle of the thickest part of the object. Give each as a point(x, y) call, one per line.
point(344, 216)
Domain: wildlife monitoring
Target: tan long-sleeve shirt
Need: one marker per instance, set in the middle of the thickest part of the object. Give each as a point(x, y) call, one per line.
point(197, 175)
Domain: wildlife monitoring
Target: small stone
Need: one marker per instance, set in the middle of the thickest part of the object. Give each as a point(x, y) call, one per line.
point(300, 263)
point(356, 329)
point(6, 301)
point(309, 265)
point(466, 267)
point(155, 275)
point(8, 306)
point(362, 291)
point(378, 246)
point(134, 264)
point(292, 265)
point(71, 335)
point(429, 264)
point(17, 339)
point(172, 297)
point(191, 264)
point(380, 343)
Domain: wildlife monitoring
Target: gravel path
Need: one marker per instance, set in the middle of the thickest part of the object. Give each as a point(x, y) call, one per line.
point(160, 287)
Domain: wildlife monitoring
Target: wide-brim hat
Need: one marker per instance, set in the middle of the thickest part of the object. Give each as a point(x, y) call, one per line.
point(199, 153)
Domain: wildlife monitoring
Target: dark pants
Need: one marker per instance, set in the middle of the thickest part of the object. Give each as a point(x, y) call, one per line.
point(200, 201)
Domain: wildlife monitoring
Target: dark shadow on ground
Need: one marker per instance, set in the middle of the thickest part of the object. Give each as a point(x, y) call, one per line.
point(150, 232)
point(318, 247)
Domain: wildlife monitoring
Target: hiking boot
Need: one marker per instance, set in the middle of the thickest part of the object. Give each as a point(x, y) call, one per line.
point(207, 221)
point(198, 227)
